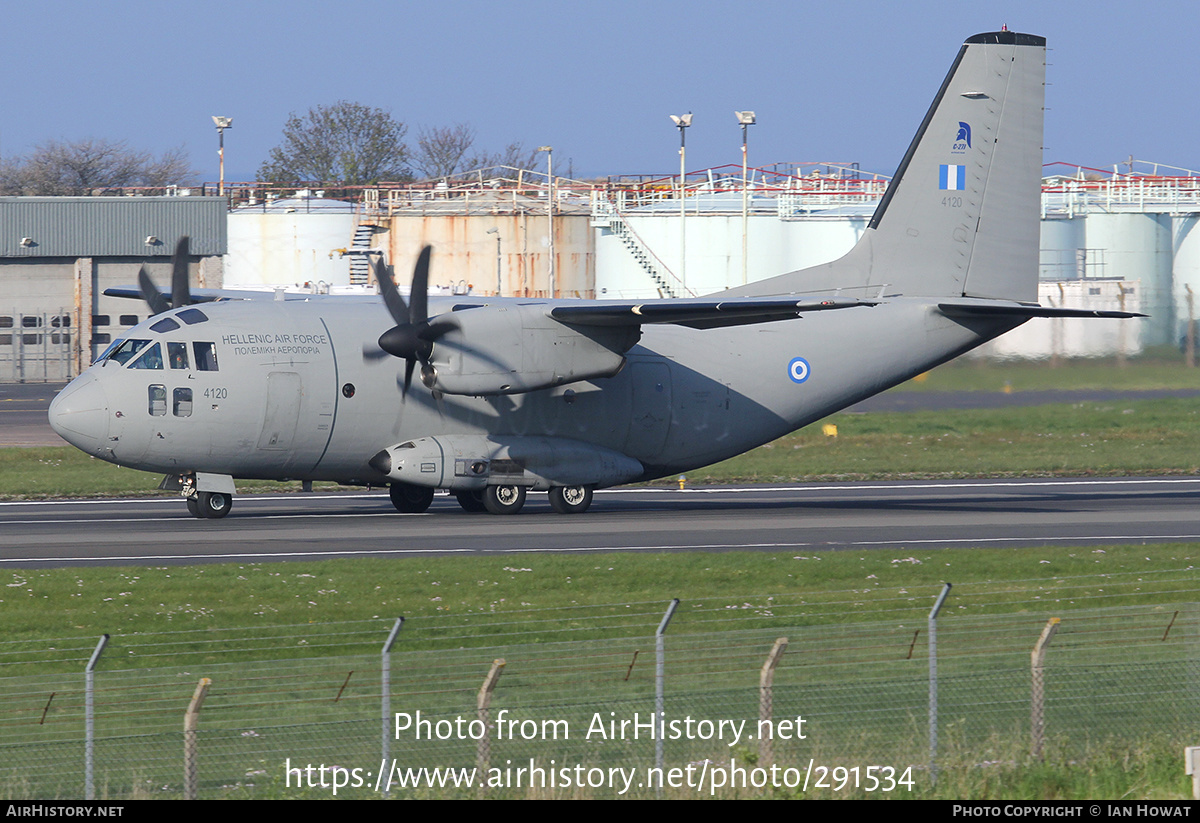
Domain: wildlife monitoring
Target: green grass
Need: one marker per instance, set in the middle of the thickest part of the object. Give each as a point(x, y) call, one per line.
point(1144, 437)
point(1157, 369)
point(475, 600)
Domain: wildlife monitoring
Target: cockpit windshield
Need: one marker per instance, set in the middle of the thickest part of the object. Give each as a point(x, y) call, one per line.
point(123, 353)
point(152, 359)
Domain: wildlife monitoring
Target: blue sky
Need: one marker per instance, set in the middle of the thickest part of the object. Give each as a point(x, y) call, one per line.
point(829, 81)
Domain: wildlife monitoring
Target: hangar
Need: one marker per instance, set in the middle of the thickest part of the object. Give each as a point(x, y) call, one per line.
point(58, 255)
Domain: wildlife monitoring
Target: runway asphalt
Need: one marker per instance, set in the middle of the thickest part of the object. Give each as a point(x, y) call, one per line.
point(900, 517)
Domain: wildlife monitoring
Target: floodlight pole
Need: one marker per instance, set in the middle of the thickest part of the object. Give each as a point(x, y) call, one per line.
point(221, 123)
point(682, 121)
point(746, 119)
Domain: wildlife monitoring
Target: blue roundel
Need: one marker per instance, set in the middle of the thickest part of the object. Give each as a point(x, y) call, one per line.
point(798, 370)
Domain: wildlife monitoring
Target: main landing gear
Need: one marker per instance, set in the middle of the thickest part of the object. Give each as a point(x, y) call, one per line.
point(510, 499)
point(494, 499)
point(570, 499)
point(410, 499)
point(210, 505)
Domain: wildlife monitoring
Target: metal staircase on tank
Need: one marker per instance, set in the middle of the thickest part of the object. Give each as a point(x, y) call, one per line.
point(360, 266)
point(604, 214)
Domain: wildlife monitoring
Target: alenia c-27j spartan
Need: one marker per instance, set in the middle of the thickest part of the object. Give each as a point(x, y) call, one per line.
point(519, 395)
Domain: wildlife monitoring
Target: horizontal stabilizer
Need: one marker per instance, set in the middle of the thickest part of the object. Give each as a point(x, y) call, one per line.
point(197, 295)
point(698, 314)
point(978, 308)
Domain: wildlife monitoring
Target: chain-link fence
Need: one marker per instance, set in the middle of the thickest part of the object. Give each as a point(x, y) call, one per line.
point(568, 718)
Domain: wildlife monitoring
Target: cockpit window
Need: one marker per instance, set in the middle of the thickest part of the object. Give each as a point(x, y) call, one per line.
point(164, 325)
point(125, 352)
point(177, 355)
point(109, 350)
point(152, 359)
point(192, 316)
point(206, 356)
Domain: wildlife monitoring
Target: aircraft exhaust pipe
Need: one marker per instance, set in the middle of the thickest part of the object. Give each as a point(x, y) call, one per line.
point(382, 462)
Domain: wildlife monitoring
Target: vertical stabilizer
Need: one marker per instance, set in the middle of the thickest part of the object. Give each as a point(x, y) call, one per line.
point(961, 217)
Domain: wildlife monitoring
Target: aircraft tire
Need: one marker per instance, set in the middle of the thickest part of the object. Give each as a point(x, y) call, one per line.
point(471, 501)
point(570, 499)
point(410, 499)
point(214, 505)
point(504, 499)
point(193, 507)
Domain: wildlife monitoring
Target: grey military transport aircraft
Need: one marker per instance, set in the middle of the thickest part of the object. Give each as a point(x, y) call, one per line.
point(568, 396)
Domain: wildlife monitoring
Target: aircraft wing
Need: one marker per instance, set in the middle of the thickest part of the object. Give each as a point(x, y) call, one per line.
point(200, 295)
point(699, 314)
point(1004, 308)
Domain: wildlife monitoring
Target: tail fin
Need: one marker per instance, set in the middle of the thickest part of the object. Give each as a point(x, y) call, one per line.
point(961, 217)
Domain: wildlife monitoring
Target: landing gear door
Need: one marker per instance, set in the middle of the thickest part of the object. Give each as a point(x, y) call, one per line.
point(650, 418)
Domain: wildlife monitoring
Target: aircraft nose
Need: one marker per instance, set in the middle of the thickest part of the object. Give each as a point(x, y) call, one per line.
point(79, 414)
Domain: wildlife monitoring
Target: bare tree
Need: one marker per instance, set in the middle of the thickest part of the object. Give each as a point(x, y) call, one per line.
point(443, 151)
point(440, 150)
point(345, 142)
point(90, 165)
point(514, 155)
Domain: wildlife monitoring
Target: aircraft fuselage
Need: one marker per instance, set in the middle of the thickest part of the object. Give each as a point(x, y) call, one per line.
point(291, 395)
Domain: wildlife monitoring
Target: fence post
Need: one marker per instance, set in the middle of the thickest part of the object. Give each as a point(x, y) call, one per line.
point(766, 701)
point(659, 674)
point(191, 719)
point(386, 700)
point(89, 783)
point(483, 704)
point(933, 723)
point(1037, 724)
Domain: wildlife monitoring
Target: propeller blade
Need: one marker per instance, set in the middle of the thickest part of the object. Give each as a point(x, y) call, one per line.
point(408, 373)
point(371, 353)
point(150, 293)
point(391, 295)
point(431, 330)
point(181, 295)
point(419, 295)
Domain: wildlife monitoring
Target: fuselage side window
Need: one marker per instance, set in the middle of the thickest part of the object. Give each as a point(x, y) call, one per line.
point(124, 352)
point(158, 400)
point(206, 356)
point(152, 359)
point(177, 354)
point(183, 402)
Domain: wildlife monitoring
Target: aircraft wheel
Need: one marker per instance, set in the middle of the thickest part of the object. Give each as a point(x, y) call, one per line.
point(410, 499)
point(471, 501)
point(214, 505)
point(193, 507)
point(504, 499)
point(570, 499)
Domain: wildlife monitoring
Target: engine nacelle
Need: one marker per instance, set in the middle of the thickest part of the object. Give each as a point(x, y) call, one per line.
point(469, 462)
point(514, 349)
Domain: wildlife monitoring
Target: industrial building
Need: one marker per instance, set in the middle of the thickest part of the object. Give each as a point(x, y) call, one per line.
point(1110, 240)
